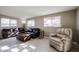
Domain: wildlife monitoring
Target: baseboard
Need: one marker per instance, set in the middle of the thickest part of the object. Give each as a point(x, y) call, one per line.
point(75, 44)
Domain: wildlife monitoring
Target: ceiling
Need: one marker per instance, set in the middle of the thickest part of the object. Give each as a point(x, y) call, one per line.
point(32, 11)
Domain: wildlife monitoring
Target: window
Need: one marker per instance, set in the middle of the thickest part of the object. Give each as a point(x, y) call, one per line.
point(30, 23)
point(4, 22)
point(52, 21)
point(8, 22)
point(13, 22)
point(56, 21)
point(47, 22)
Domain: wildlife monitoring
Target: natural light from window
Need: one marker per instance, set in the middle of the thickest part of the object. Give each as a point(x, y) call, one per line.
point(30, 23)
point(25, 50)
point(5, 48)
point(13, 23)
point(15, 50)
point(33, 47)
point(56, 21)
point(47, 22)
point(23, 45)
point(52, 21)
point(5, 22)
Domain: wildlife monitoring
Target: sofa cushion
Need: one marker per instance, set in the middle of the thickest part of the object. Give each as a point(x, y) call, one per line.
point(61, 35)
point(58, 39)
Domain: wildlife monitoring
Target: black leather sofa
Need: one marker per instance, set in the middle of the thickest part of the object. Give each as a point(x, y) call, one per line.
point(11, 32)
point(34, 32)
point(5, 33)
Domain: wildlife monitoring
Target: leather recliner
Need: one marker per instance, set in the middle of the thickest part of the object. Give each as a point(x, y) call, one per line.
point(34, 32)
point(62, 40)
point(11, 32)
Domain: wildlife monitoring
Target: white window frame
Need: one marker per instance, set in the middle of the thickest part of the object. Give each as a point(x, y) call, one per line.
point(4, 22)
point(56, 21)
point(47, 22)
point(13, 22)
point(30, 23)
point(52, 21)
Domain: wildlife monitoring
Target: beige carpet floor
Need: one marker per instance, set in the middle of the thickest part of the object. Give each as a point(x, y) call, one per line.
point(33, 45)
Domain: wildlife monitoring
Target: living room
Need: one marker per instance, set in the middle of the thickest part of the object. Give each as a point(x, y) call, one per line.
point(41, 24)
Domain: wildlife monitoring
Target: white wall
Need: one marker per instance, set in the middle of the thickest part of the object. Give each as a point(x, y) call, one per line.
point(67, 20)
point(77, 26)
point(77, 22)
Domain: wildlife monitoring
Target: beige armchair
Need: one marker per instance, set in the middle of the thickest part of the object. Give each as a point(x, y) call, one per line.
point(62, 39)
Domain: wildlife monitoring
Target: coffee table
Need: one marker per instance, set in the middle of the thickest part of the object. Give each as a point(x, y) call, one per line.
point(24, 37)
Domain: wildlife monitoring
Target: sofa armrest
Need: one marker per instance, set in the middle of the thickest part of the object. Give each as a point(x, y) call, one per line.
point(53, 35)
point(67, 43)
point(66, 38)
